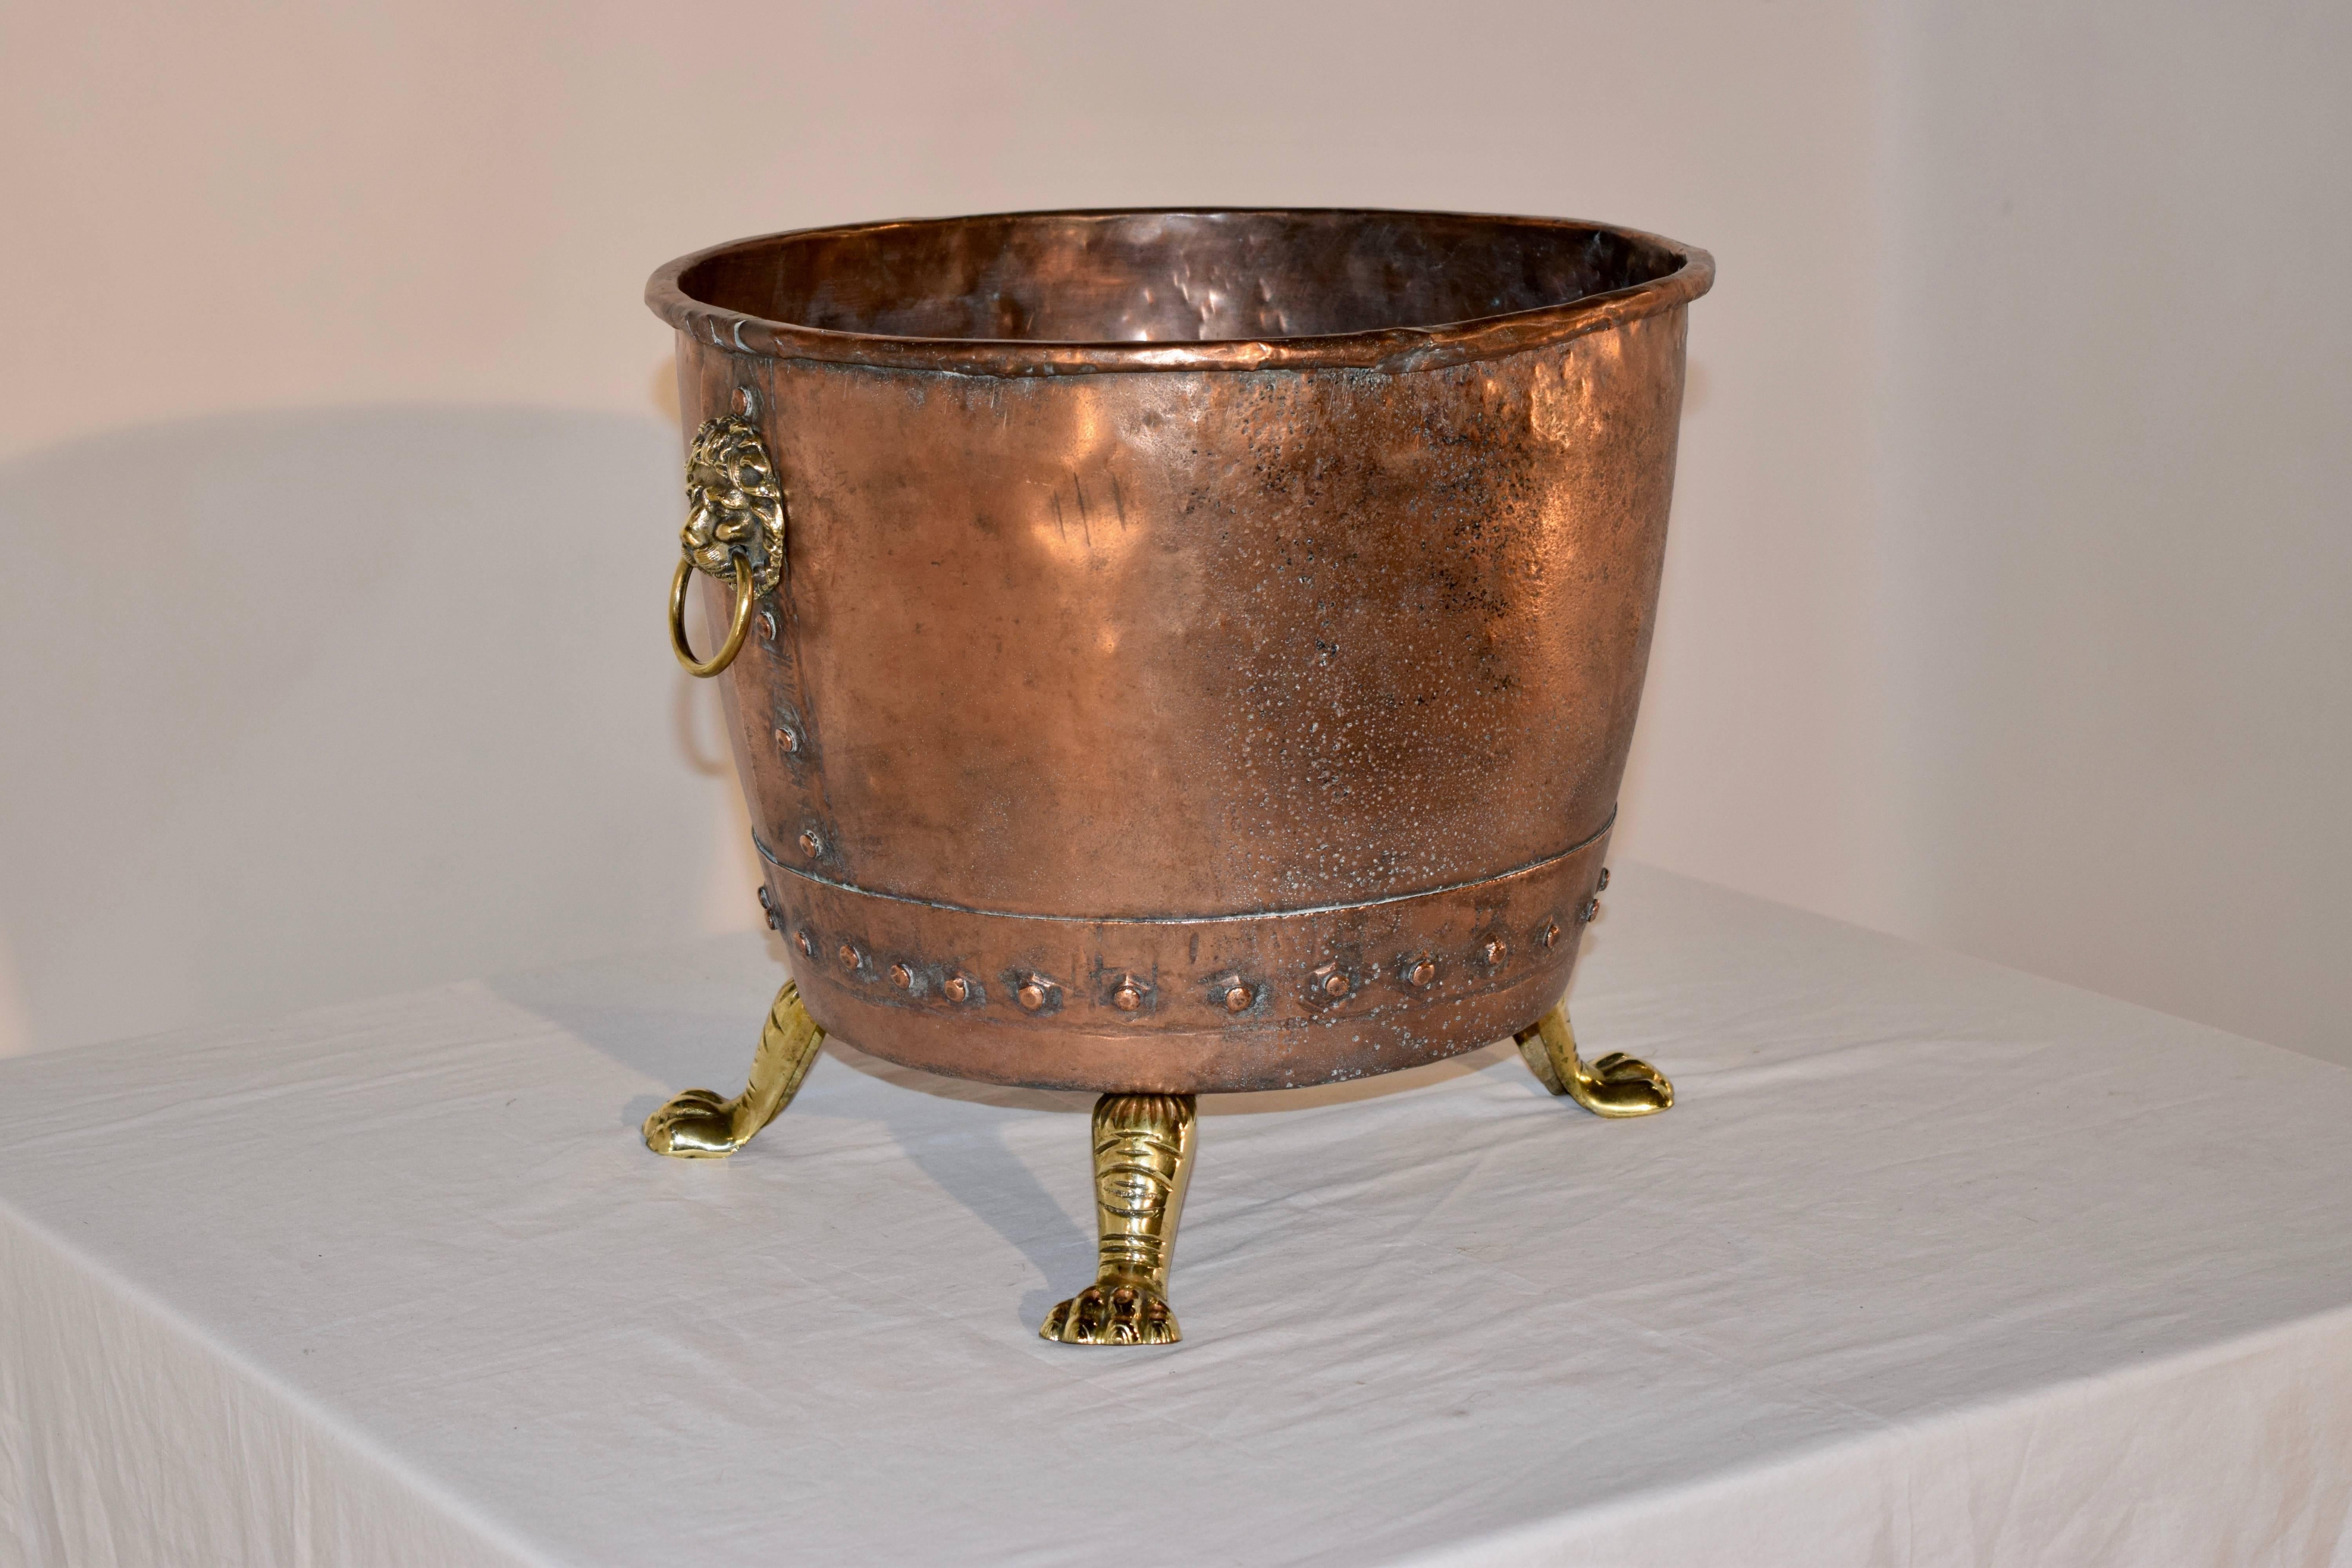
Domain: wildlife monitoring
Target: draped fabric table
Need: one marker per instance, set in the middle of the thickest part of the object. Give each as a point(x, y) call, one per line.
point(1932, 1263)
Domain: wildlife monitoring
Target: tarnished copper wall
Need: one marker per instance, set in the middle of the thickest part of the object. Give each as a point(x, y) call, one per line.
point(1144, 716)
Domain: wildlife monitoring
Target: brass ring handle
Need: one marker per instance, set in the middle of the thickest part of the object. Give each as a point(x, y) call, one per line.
point(741, 623)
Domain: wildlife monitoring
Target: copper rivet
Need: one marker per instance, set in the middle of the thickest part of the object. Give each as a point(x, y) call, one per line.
point(958, 988)
point(848, 955)
point(1495, 950)
point(1549, 934)
point(811, 845)
point(746, 402)
point(767, 626)
point(1423, 972)
point(1238, 997)
point(1602, 885)
point(903, 976)
point(787, 742)
point(771, 919)
point(765, 896)
point(1032, 994)
point(1128, 997)
point(1591, 908)
point(805, 943)
point(1335, 984)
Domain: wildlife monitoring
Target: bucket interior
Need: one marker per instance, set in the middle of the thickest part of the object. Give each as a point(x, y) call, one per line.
point(1191, 277)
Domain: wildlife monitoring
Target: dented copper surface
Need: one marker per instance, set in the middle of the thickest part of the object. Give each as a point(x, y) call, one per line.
point(1206, 644)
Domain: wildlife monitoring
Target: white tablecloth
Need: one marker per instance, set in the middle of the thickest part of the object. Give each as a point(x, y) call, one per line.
point(1933, 1263)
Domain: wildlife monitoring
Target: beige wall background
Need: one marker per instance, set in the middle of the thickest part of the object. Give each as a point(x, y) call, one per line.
point(2006, 605)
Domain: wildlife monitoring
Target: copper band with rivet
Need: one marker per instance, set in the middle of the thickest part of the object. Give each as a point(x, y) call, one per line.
point(902, 976)
point(848, 955)
point(805, 943)
point(1238, 996)
point(958, 988)
point(1281, 962)
point(811, 845)
point(1031, 996)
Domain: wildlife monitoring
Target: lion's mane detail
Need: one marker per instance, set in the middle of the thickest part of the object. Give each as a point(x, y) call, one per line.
point(733, 504)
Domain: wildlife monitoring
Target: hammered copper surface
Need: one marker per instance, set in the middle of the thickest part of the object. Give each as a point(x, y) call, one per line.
point(1219, 675)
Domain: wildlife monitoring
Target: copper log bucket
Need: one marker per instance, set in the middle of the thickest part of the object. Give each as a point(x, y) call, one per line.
point(1182, 651)
point(1176, 651)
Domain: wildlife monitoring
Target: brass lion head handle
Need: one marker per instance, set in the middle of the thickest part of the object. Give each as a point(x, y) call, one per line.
point(734, 529)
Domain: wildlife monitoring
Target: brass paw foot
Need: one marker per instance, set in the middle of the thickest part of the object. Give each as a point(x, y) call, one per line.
point(1111, 1313)
point(1616, 1085)
point(700, 1125)
point(1143, 1162)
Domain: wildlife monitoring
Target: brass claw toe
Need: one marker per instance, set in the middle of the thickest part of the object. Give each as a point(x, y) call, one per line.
point(1620, 1085)
point(1113, 1312)
point(699, 1125)
point(1143, 1162)
point(1617, 1085)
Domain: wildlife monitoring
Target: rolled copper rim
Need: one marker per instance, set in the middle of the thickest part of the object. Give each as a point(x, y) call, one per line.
point(1680, 273)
